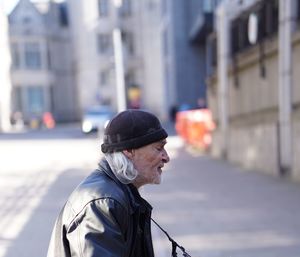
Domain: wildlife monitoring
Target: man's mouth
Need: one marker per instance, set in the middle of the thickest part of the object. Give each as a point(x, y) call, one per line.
point(160, 168)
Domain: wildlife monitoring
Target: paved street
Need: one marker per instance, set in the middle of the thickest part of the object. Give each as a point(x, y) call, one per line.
point(37, 172)
point(208, 206)
point(214, 209)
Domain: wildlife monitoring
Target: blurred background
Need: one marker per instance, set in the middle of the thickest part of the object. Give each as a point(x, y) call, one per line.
point(223, 76)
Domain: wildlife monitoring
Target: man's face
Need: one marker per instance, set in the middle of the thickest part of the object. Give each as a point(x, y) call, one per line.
point(149, 161)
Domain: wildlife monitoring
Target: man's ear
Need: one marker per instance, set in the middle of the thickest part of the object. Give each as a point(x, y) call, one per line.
point(128, 154)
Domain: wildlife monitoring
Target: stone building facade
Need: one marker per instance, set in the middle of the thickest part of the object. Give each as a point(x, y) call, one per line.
point(247, 101)
point(42, 73)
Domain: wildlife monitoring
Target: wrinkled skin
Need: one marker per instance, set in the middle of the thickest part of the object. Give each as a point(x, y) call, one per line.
point(149, 161)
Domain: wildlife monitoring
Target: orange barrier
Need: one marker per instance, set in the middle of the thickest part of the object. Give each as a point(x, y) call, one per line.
point(48, 120)
point(195, 127)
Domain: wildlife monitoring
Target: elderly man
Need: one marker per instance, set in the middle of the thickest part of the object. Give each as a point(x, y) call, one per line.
point(105, 215)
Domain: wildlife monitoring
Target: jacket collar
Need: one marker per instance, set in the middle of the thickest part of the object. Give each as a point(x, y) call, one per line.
point(129, 189)
point(104, 166)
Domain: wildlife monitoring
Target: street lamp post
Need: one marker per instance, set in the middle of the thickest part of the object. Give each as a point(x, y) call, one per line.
point(118, 56)
point(285, 85)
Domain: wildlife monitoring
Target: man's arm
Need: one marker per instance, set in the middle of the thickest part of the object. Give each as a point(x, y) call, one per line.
point(99, 230)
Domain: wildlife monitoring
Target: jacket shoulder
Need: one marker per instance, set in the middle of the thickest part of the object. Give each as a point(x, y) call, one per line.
point(95, 187)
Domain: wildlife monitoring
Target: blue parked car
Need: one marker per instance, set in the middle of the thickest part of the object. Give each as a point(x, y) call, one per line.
point(96, 118)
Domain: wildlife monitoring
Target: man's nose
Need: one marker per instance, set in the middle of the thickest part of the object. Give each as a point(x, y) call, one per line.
point(166, 157)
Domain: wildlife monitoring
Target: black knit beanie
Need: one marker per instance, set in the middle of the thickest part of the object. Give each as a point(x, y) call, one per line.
point(132, 129)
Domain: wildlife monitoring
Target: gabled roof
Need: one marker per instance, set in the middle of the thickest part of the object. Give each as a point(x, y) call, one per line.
point(23, 10)
point(21, 4)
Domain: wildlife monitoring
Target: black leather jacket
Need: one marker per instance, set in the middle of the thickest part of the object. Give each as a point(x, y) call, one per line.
point(102, 218)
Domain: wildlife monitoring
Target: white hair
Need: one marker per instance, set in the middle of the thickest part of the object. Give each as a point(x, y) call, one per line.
point(121, 166)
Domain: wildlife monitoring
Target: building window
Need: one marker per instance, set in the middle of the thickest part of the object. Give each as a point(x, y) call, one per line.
point(126, 8)
point(239, 34)
point(35, 99)
point(15, 55)
point(103, 8)
point(128, 40)
point(272, 15)
point(28, 100)
point(32, 56)
point(267, 13)
point(211, 57)
point(63, 15)
point(234, 37)
point(104, 43)
point(298, 10)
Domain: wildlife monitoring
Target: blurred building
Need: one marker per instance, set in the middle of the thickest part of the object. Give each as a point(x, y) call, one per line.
point(174, 53)
point(163, 47)
point(93, 23)
point(183, 54)
point(254, 92)
point(155, 94)
point(163, 60)
point(5, 86)
point(42, 71)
